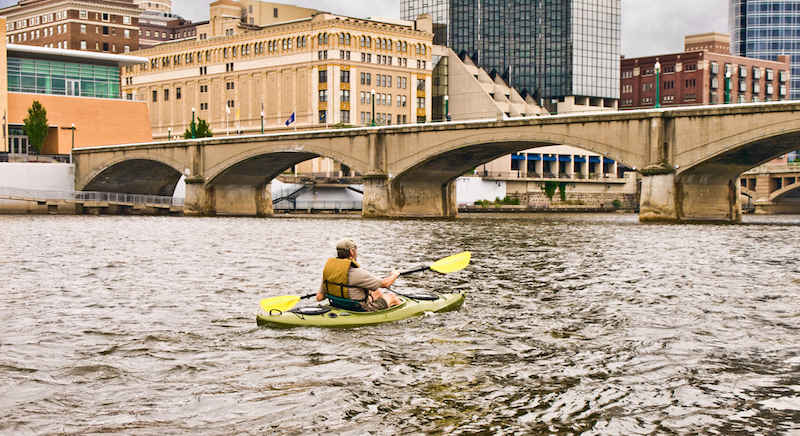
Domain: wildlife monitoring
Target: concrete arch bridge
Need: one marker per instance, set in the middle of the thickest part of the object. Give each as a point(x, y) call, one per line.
point(689, 159)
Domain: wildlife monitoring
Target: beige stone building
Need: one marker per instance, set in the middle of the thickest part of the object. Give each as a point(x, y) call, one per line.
point(322, 68)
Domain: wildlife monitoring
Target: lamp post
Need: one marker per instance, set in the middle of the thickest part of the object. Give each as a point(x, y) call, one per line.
point(657, 67)
point(193, 126)
point(373, 106)
point(727, 85)
point(73, 142)
point(447, 108)
point(169, 133)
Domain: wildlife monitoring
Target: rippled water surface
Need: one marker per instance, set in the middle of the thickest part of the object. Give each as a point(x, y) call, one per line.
point(574, 324)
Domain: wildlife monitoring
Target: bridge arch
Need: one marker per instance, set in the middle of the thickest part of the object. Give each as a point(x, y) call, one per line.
point(150, 174)
point(426, 177)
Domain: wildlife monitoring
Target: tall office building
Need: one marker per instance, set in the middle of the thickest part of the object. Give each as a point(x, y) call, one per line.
point(556, 50)
point(437, 9)
point(766, 29)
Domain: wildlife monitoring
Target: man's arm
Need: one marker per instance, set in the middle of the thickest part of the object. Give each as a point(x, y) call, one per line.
point(387, 281)
point(321, 292)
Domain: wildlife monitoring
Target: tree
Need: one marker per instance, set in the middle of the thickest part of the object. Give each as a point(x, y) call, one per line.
point(36, 126)
point(203, 130)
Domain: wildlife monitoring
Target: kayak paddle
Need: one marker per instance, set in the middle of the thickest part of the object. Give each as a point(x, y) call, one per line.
point(282, 303)
point(449, 264)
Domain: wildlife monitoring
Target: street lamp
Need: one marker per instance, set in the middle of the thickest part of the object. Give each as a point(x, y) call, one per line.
point(657, 67)
point(373, 106)
point(193, 126)
point(447, 108)
point(73, 142)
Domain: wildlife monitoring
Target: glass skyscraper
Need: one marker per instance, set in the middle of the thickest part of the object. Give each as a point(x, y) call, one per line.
point(546, 48)
point(437, 9)
point(766, 29)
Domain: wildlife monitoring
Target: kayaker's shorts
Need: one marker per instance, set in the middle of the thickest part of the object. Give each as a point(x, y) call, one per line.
point(375, 305)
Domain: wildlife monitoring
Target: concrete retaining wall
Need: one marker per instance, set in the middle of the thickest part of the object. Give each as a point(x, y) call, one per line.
point(37, 175)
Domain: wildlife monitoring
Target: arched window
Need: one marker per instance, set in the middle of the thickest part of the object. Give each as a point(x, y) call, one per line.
point(341, 39)
point(363, 40)
point(347, 39)
point(319, 39)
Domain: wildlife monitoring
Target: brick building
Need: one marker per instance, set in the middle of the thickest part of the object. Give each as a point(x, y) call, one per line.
point(106, 26)
point(704, 74)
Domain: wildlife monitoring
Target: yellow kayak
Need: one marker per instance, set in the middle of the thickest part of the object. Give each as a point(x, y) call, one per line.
point(332, 317)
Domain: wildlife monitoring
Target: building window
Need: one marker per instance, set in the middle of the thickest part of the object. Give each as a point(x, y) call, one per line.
point(83, 15)
point(83, 45)
point(323, 95)
point(344, 76)
point(344, 116)
point(83, 28)
point(421, 102)
point(166, 95)
point(275, 12)
point(344, 95)
point(177, 93)
point(155, 96)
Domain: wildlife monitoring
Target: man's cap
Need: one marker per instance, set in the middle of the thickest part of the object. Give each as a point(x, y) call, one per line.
point(345, 244)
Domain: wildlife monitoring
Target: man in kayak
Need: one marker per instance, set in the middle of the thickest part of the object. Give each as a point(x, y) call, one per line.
point(344, 278)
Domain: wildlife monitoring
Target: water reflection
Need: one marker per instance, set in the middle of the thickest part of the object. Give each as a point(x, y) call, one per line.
point(574, 324)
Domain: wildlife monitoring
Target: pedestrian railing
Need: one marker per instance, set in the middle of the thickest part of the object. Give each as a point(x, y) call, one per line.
point(311, 206)
point(83, 197)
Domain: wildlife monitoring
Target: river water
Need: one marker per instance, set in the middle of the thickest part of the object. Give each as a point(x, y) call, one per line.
point(574, 324)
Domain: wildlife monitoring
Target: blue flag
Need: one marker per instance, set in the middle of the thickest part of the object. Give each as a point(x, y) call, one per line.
point(290, 120)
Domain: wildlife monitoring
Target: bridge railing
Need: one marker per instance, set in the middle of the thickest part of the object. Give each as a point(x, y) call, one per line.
point(310, 206)
point(44, 195)
point(545, 176)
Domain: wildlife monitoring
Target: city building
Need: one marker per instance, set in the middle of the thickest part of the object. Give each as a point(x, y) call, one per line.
point(767, 29)
point(105, 26)
point(316, 71)
point(80, 92)
point(700, 76)
point(439, 12)
point(158, 24)
point(565, 54)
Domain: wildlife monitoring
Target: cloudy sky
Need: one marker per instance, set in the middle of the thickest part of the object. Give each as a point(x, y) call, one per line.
point(648, 26)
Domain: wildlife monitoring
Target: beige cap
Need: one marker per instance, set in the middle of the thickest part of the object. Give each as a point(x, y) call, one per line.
point(345, 244)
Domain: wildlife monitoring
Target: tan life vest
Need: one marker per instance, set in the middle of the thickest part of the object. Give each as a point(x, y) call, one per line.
point(336, 276)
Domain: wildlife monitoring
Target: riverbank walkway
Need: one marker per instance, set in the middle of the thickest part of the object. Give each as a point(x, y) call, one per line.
point(92, 199)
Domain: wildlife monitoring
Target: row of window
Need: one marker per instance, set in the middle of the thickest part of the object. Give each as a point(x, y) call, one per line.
point(57, 16)
point(382, 119)
point(105, 47)
point(366, 42)
point(258, 48)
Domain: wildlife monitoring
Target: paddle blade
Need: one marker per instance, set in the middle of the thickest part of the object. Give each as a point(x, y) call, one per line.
point(282, 303)
point(452, 263)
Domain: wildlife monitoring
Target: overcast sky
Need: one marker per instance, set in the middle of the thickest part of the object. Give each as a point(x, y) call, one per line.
point(649, 27)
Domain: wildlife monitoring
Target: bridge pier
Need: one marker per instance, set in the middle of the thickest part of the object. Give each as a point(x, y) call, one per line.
point(233, 200)
point(669, 197)
point(408, 198)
